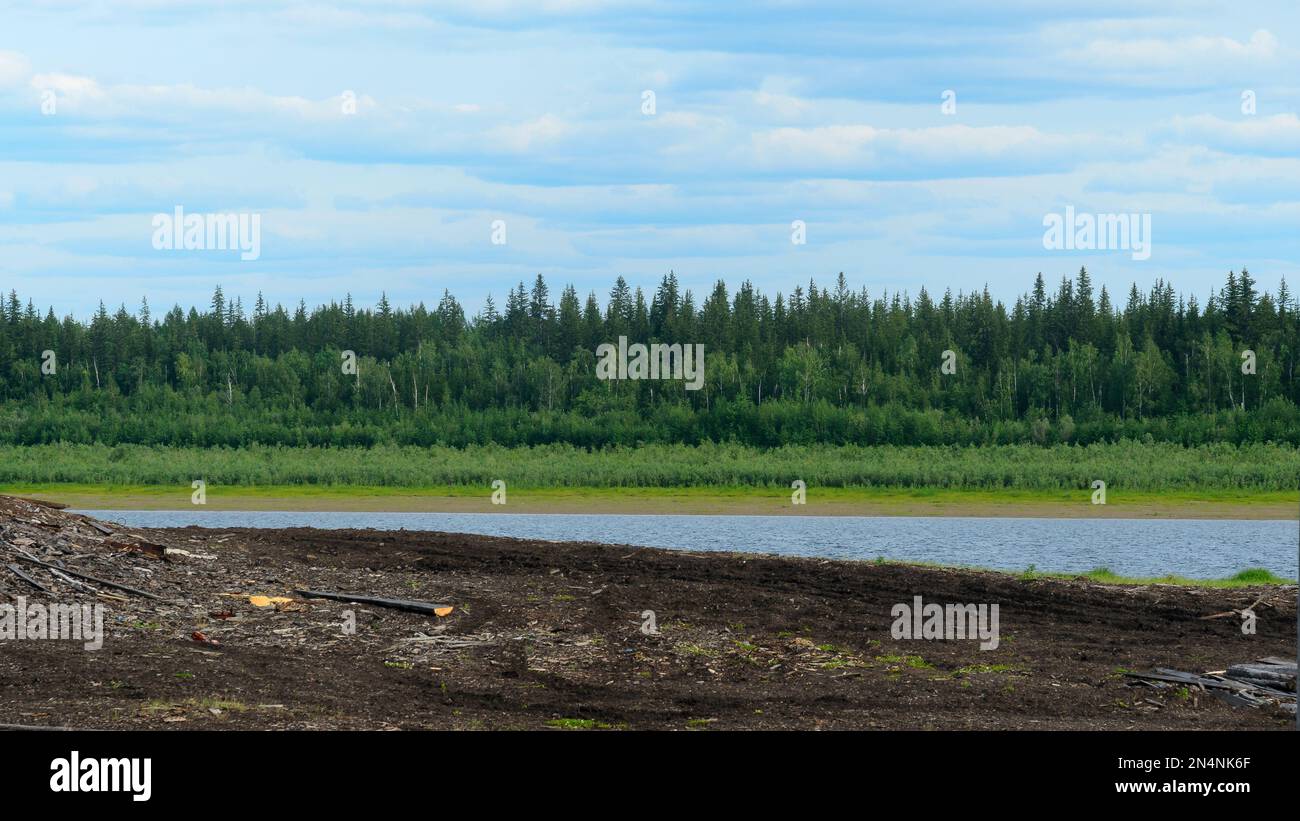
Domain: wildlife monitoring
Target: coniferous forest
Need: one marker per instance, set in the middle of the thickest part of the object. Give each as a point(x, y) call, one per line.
point(821, 365)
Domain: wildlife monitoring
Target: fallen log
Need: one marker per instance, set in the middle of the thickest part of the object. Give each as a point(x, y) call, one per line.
point(1266, 681)
point(132, 590)
point(37, 728)
point(73, 583)
point(1183, 678)
point(1250, 608)
point(1275, 676)
point(1238, 699)
point(104, 529)
point(17, 571)
point(397, 604)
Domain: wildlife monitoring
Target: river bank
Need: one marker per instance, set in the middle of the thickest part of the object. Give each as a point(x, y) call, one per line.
point(740, 501)
point(573, 636)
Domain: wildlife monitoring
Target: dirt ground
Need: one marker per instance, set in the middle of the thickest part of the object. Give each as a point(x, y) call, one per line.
point(549, 635)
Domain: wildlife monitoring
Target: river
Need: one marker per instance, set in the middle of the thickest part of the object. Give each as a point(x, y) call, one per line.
point(1195, 548)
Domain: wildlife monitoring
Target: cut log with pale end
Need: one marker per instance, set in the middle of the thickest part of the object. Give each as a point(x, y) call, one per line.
point(410, 605)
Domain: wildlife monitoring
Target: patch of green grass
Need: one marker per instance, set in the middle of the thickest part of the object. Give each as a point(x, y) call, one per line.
point(972, 669)
point(1252, 577)
point(913, 661)
point(581, 724)
point(695, 650)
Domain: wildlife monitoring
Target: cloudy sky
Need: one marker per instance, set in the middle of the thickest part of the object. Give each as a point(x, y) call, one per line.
point(536, 114)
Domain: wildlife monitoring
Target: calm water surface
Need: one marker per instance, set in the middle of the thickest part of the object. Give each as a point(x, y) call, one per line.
point(1197, 548)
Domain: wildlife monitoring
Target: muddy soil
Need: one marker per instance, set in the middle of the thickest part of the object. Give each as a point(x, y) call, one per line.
point(546, 635)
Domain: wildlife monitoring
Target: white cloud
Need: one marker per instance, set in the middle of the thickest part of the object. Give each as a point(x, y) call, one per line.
point(1278, 134)
point(784, 105)
point(941, 149)
point(13, 69)
point(68, 85)
point(86, 97)
point(525, 136)
point(1155, 53)
point(765, 114)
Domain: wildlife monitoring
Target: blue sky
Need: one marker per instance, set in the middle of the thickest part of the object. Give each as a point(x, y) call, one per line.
point(532, 113)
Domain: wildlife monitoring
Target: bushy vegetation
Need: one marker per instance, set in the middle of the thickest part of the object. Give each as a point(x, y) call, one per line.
point(821, 366)
point(1124, 465)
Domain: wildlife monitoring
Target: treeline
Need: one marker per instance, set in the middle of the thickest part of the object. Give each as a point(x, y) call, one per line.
point(822, 365)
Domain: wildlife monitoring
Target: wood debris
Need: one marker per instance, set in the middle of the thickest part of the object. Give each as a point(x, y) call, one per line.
point(409, 605)
point(1263, 682)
